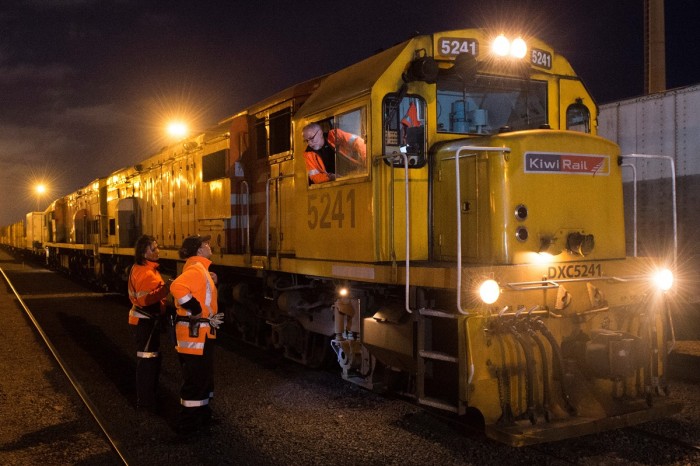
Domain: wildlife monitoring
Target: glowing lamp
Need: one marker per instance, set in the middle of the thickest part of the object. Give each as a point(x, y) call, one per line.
point(518, 48)
point(489, 291)
point(663, 279)
point(501, 46)
point(177, 129)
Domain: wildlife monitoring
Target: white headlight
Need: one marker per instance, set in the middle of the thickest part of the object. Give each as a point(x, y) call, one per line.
point(663, 279)
point(489, 291)
point(518, 48)
point(501, 46)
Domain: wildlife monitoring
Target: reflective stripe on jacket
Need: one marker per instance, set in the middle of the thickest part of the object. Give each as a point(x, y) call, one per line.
point(194, 282)
point(147, 291)
point(315, 168)
point(350, 146)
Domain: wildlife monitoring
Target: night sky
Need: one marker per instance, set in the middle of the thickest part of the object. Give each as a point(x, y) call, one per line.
point(87, 85)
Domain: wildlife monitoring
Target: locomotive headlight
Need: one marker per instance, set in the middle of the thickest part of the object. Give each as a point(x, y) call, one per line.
point(663, 279)
point(503, 47)
point(342, 292)
point(489, 291)
point(518, 48)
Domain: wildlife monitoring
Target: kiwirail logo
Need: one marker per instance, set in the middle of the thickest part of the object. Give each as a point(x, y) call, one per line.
point(567, 164)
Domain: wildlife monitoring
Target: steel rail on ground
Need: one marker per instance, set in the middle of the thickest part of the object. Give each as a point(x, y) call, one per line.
point(76, 385)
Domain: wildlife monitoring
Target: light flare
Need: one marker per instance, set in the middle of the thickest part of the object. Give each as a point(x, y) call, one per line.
point(489, 291)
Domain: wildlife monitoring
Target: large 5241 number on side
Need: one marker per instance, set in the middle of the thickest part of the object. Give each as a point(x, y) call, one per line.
point(326, 211)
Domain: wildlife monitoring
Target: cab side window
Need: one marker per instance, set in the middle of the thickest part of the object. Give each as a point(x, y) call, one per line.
point(578, 118)
point(336, 147)
point(404, 130)
point(349, 139)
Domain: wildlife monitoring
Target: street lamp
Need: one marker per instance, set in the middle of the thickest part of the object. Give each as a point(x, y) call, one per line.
point(177, 130)
point(40, 190)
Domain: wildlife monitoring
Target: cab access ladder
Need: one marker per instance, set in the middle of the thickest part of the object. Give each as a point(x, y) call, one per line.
point(426, 355)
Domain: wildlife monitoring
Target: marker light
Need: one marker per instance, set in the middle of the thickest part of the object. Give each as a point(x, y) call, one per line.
point(664, 279)
point(543, 258)
point(489, 291)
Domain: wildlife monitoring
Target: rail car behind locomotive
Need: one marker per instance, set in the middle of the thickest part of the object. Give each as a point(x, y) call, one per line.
point(472, 255)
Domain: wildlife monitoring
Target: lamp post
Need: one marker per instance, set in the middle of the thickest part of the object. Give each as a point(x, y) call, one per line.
point(40, 189)
point(177, 130)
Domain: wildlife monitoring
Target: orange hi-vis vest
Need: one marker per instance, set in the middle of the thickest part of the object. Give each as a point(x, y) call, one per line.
point(349, 146)
point(194, 282)
point(315, 168)
point(147, 291)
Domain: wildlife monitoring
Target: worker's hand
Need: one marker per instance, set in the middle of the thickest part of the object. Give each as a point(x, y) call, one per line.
point(216, 320)
point(214, 278)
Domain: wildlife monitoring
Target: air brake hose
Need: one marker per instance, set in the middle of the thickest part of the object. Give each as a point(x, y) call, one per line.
point(557, 362)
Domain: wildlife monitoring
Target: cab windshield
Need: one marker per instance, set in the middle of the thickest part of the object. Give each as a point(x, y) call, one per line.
point(489, 104)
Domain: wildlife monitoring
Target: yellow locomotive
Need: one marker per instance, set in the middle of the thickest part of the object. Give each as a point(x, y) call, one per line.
point(467, 248)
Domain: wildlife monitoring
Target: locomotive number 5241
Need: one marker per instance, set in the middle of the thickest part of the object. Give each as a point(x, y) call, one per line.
point(326, 211)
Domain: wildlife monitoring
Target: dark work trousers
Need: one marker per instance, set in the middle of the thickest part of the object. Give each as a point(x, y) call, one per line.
point(147, 337)
point(197, 388)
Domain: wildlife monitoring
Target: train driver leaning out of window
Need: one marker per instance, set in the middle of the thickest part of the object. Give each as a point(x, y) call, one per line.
point(320, 152)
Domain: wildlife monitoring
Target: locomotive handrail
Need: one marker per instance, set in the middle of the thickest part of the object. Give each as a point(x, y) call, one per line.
point(634, 206)
point(267, 214)
point(408, 225)
point(549, 284)
point(534, 285)
point(244, 183)
point(673, 195)
point(459, 210)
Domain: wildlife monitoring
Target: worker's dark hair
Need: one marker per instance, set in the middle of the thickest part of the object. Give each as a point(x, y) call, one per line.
point(191, 245)
point(140, 249)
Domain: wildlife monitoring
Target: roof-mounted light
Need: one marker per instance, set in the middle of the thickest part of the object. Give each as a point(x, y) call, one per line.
point(518, 48)
point(503, 47)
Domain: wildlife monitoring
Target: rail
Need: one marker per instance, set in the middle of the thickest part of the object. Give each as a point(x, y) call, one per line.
point(276, 179)
point(73, 380)
point(408, 225)
point(673, 195)
point(539, 285)
point(634, 205)
point(459, 209)
point(246, 195)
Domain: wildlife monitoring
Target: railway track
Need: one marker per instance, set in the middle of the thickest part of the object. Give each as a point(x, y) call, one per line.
point(276, 412)
point(74, 382)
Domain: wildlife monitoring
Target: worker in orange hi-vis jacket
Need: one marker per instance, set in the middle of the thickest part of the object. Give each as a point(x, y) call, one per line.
point(320, 152)
point(195, 294)
point(147, 292)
